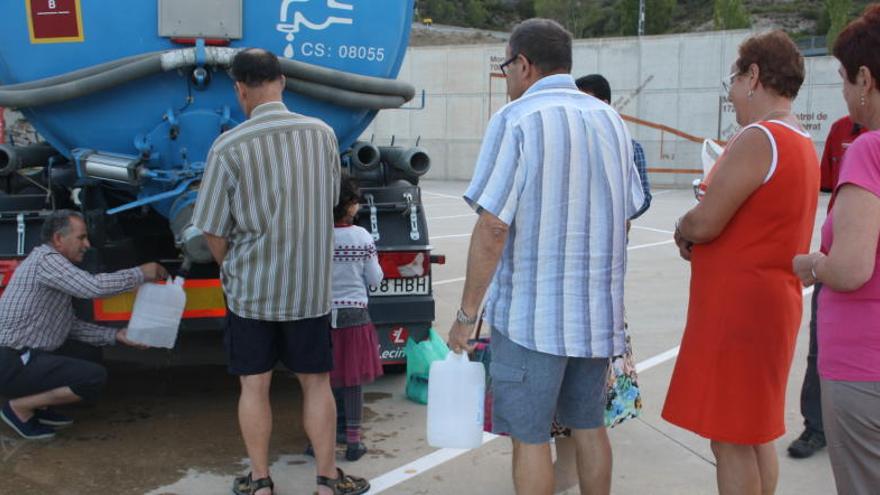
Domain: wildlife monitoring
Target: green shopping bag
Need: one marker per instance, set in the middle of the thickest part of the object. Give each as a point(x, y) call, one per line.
point(419, 356)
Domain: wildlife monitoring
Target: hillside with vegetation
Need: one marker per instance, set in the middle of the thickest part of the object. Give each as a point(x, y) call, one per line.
point(599, 18)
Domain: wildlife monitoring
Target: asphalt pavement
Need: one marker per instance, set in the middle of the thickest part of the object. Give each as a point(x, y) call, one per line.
point(173, 430)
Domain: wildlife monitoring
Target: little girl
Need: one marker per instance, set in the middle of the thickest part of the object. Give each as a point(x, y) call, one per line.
point(355, 346)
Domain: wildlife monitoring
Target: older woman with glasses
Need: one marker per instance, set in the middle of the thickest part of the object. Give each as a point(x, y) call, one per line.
point(848, 268)
point(745, 303)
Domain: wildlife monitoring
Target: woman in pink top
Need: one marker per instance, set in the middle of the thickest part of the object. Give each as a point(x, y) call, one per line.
point(848, 268)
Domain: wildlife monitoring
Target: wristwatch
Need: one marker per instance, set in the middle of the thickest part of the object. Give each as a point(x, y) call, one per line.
point(464, 319)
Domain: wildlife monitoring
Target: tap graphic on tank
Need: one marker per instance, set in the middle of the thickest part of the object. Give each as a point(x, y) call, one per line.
point(290, 28)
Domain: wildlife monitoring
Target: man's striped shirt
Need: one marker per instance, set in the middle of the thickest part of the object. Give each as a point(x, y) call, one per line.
point(556, 165)
point(270, 186)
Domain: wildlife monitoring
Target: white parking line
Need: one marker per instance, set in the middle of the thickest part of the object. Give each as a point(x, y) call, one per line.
point(450, 281)
point(472, 214)
point(651, 229)
point(441, 195)
point(419, 466)
point(657, 360)
point(450, 236)
point(652, 244)
point(441, 456)
point(445, 204)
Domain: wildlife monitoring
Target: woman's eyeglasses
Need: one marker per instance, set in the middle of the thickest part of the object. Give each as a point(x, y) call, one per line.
point(727, 82)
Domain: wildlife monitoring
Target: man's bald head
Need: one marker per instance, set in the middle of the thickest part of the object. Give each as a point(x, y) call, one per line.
point(255, 67)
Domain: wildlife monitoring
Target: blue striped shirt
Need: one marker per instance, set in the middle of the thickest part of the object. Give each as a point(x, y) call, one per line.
point(556, 165)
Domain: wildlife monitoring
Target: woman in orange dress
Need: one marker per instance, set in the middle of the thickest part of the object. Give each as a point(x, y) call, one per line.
point(745, 302)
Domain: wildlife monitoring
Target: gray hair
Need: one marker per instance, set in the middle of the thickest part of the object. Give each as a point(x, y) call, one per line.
point(544, 42)
point(58, 222)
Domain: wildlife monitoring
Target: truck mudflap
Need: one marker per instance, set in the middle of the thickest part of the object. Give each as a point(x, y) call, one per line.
point(397, 319)
point(393, 337)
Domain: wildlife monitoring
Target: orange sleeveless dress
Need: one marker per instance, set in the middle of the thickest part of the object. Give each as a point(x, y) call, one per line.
point(745, 305)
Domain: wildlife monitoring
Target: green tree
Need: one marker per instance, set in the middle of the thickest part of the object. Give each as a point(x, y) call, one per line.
point(731, 14)
point(629, 17)
point(838, 15)
point(573, 14)
point(438, 10)
point(525, 9)
point(658, 16)
point(475, 13)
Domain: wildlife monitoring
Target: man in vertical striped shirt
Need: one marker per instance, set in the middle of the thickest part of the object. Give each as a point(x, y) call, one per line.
point(553, 187)
point(596, 85)
point(266, 208)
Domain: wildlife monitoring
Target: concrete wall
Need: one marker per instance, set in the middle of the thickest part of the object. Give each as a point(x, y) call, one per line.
point(674, 80)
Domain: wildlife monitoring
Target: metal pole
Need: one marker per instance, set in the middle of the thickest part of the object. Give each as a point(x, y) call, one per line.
point(641, 17)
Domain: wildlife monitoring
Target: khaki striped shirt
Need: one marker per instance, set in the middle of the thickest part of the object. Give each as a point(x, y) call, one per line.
point(269, 188)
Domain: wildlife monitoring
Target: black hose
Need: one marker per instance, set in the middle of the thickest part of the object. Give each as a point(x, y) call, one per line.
point(83, 86)
point(13, 158)
point(346, 80)
point(329, 85)
point(77, 74)
point(343, 97)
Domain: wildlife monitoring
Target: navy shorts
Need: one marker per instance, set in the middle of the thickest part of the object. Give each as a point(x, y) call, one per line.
point(24, 373)
point(256, 346)
point(530, 387)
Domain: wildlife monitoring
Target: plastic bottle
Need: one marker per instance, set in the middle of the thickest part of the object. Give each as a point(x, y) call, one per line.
point(155, 318)
point(456, 395)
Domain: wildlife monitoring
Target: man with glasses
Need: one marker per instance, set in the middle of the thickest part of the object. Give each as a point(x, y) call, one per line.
point(554, 185)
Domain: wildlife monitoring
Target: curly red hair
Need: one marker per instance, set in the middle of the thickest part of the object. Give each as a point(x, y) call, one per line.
point(780, 63)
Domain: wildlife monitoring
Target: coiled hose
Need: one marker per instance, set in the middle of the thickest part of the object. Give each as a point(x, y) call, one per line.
point(328, 85)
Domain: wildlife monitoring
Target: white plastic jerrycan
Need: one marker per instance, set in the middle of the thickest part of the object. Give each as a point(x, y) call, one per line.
point(155, 318)
point(456, 396)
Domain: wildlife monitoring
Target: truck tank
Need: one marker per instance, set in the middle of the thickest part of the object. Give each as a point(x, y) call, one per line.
point(131, 95)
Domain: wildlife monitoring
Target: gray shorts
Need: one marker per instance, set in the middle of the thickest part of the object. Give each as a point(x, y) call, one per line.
point(530, 387)
point(852, 428)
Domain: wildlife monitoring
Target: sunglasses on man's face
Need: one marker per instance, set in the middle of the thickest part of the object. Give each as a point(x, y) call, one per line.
point(510, 61)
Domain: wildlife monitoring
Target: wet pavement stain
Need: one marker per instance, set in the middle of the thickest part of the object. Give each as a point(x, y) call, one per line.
point(150, 427)
point(375, 453)
point(372, 397)
point(369, 414)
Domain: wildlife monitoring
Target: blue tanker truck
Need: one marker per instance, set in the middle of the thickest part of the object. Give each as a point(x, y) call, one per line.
point(129, 96)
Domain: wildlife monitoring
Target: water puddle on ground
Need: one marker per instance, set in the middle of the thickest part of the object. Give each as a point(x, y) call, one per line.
point(373, 397)
point(152, 428)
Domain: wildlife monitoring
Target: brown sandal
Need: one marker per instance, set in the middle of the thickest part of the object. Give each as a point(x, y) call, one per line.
point(345, 484)
point(246, 485)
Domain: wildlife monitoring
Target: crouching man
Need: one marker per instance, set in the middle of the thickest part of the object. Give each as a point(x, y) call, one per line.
point(36, 320)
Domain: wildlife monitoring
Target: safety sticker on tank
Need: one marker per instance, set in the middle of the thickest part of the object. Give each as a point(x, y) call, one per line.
point(54, 21)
